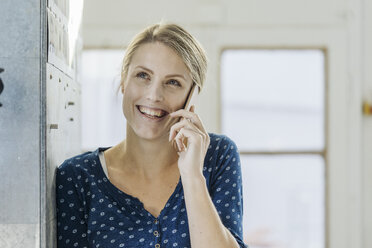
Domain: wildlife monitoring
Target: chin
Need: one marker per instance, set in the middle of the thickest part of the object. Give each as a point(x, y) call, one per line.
point(149, 134)
point(148, 129)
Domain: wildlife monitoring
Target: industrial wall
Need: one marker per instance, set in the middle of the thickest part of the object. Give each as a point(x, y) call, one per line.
point(39, 114)
point(20, 118)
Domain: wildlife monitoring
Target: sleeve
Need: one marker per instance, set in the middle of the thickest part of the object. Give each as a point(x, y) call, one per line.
point(71, 218)
point(226, 188)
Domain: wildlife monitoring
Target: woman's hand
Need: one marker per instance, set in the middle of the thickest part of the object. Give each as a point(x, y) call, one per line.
point(192, 141)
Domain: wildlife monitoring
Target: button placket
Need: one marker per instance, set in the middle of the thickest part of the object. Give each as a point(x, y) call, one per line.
point(157, 233)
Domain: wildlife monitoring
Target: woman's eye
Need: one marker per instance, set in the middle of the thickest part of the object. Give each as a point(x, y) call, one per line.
point(174, 82)
point(142, 75)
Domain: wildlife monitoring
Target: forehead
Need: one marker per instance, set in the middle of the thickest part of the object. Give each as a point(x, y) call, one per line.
point(160, 59)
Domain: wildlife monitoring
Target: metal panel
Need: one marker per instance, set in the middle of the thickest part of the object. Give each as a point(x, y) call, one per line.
point(19, 134)
point(20, 119)
point(19, 235)
point(31, 103)
point(20, 29)
point(63, 127)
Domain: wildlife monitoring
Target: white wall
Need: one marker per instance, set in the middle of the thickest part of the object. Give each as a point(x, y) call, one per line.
point(342, 27)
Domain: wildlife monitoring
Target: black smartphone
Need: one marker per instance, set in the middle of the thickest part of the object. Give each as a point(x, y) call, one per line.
point(192, 97)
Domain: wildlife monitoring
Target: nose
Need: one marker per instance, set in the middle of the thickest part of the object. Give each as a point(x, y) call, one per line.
point(155, 92)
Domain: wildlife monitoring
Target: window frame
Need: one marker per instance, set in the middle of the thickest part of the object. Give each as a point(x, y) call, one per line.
point(322, 152)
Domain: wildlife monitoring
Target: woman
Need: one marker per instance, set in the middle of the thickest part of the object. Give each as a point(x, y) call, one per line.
point(169, 183)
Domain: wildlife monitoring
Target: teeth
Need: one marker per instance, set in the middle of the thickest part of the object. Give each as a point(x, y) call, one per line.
point(152, 112)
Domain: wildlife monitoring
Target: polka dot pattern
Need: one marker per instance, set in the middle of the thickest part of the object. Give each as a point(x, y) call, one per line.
point(92, 212)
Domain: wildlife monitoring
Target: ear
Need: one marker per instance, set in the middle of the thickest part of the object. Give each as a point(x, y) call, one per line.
point(122, 87)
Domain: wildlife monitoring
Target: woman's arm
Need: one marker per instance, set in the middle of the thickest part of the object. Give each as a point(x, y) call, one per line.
point(71, 221)
point(206, 227)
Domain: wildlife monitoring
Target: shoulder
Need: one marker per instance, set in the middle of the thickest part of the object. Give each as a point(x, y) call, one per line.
point(221, 143)
point(79, 165)
point(221, 149)
point(222, 159)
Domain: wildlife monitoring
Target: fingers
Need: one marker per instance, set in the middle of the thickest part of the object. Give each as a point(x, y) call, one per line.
point(189, 128)
point(190, 115)
point(179, 139)
point(185, 135)
point(184, 123)
point(192, 109)
point(185, 114)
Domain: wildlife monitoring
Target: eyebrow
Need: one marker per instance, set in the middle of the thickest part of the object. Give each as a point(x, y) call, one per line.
point(170, 75)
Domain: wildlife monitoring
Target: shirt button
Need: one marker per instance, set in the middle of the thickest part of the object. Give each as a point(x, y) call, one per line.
point(156, 233)
point(156, 221)
point(157, 246)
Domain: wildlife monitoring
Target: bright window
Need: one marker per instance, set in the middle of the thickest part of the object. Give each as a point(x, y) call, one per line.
point(273, 103)
point(279, 94)
point(103, 122)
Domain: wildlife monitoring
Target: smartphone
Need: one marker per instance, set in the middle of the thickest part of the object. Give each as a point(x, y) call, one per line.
point(191, 100)
point(192, 97)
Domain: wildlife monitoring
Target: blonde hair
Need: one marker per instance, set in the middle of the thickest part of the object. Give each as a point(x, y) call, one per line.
point(178, 39)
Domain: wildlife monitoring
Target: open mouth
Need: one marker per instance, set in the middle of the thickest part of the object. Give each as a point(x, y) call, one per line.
point(152, 113)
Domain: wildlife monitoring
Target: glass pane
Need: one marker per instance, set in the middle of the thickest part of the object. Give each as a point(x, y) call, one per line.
point(273, 99)
point(284, 201)
point(103, 122)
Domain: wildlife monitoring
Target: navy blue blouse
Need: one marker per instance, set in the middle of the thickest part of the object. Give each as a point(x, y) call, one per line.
point(92, 212)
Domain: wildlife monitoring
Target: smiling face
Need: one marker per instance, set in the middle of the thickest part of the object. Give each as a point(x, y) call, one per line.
point(157, 83)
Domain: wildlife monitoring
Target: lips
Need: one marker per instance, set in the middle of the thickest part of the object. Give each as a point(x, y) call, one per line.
point(153, 113)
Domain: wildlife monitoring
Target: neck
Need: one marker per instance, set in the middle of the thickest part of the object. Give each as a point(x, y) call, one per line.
point(147, 157)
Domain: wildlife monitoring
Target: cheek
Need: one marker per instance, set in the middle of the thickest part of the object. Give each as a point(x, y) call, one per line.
point(124, 107)
point(179, 102)
point(127, 100)
point(131, 92)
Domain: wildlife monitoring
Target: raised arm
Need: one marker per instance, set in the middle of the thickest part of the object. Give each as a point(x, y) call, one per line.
point(211, 224)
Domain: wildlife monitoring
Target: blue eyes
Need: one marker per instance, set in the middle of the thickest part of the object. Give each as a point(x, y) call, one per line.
point(144, 75)
point(174, 82)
